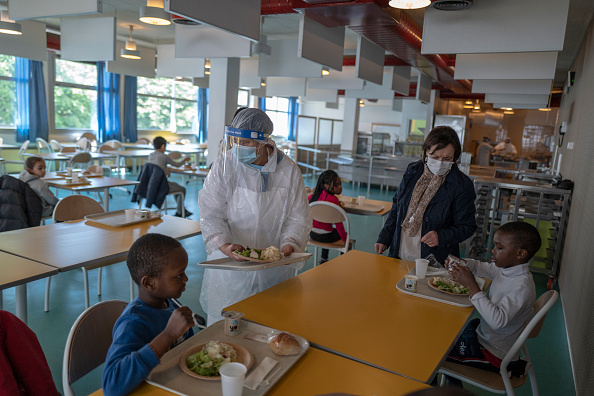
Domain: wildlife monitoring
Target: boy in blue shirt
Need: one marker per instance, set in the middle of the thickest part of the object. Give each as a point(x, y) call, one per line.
point(150, 325)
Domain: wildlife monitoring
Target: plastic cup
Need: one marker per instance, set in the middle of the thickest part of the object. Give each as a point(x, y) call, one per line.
point(232, 377)
point(69, 171)
point(144, 213)
point(361, 200)
point(130, 213)
point(410, 283)
point(421, 267)
point(75, 177)
point(232, 322)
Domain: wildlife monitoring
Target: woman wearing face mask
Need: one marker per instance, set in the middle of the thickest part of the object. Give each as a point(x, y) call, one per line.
point(253, 197)
point(433, 210)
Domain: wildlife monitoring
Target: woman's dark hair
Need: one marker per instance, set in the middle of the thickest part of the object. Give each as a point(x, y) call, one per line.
point(442, 136)
point(327, 177)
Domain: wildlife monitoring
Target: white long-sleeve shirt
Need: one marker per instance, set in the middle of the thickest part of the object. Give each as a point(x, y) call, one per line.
point(507, 309)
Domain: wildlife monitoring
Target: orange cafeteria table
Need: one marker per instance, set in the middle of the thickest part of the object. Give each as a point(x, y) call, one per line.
point(350, 306)
point(319, 372)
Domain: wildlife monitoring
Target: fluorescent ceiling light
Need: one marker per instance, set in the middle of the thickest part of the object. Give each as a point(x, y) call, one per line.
point(154, 13)
point(325, 71)
point(130, 51)
point(8, 26)
point(409, 4)
point(207, 64)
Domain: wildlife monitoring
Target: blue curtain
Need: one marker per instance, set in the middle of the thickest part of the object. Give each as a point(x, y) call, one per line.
point(293, 111)
point(31, 118)
point(202, 102)
point(262, 104)
point(108, 104)
point(130, 115)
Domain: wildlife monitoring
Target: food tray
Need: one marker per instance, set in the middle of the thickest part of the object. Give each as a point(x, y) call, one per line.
point(64, 182)
point(228, 263)
point(424, 291)
point(169, 376)
point(365, 207)
point(118, 218)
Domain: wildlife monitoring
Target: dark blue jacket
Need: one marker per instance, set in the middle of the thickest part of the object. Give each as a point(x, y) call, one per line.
point(153, 186)
point(451, 213)
point(20, 206)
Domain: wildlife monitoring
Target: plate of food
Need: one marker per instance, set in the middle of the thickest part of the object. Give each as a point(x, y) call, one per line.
point(203, 361)
point(448, 286)
point(268, 255)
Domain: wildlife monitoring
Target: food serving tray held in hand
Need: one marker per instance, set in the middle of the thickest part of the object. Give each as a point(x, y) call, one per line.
point(228, 263)
point(168, 374)
point(118, 218)
point(425, 291)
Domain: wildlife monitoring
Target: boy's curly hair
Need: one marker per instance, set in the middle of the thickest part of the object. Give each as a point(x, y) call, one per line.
point(146, 257)
point(524, 236)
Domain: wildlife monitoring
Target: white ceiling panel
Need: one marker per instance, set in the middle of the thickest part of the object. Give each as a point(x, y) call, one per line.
point(201, 82)
point(285, 86)
point(144, 67)
point(375, 91)
point(512, 86)
point(209, 42)
point(88, 39)
point(424, 88)
point(401, 79)
point(240, 17)
point(321, 95)
point(496, 26)
point(369, 64)
point(344, 79)
point(32, 44)
point(515, 98)
point(29, 9)
point(248, 73)
point(526, 106)
point(284, 62)
point(321, 44)
point(512, 66)
point(170, 66)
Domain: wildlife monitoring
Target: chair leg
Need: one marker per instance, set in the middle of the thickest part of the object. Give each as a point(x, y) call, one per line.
point(86, 286)
point(47, 291)
point(315, 256)
point(99, 281)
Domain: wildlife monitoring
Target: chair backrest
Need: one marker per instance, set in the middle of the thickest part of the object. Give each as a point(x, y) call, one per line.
point(81, 158)
point(143, 141)
point(68, 150)
point(75, 207)
point(55, 145)
point(89, 340)
point(90, 136)
point(84, 144)
point(23, 149)
point(94, 169)
point(174, 155)
point(43, 146)
point(327, 212)
point(115, 144)
point(532, 329)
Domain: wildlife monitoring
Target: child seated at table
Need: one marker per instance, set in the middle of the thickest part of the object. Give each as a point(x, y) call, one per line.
point(328, 187)
point(150, 325)
point(509, 306)
point(32, 175)
point(159, 158)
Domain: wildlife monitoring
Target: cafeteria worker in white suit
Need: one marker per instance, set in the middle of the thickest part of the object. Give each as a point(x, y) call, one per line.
point(253, 197)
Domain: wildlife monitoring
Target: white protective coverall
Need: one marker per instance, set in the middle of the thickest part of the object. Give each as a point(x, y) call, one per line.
point(253, 208)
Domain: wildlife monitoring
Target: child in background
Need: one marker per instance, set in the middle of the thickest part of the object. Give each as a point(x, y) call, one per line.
point(150, 325)
point(509, 306)
point(32, 175)
point(328, 187)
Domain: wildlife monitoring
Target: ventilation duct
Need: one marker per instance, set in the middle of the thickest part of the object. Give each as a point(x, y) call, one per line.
point(451, 5)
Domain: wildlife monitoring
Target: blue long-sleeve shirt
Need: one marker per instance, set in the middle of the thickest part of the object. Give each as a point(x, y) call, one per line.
point(130, 359)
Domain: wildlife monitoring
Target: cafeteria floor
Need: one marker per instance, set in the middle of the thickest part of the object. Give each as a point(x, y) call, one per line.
point(549, 351)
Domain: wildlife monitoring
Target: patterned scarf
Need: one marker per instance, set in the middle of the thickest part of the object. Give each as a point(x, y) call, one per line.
point(424, 191)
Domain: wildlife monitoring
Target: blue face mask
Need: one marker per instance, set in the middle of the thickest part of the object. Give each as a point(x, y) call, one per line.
point(247, 155)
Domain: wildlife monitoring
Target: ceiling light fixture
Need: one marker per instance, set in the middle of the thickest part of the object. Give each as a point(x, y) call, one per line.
point(545, 109)
point(468, 104)
point(508, 110)
point(409, 4)
point(130, 51)
point(477, 106)
point(361, 104)
point(8, 26)
point(325, 71)
point(207, 64)
point(262, 83)
point(207, 72)
point(154, 13)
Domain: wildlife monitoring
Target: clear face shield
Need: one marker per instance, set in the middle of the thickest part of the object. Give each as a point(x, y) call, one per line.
point(245, 147)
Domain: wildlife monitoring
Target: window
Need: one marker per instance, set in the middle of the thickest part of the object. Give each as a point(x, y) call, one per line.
point(243, 98)
point(75, 95)
point(278, 111)
point(7, 91)
point(167, 104)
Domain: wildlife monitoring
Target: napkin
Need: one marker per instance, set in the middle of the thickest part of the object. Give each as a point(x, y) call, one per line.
point(253, 380)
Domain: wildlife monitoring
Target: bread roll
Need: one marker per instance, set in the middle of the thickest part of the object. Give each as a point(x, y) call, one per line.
point(284, 344)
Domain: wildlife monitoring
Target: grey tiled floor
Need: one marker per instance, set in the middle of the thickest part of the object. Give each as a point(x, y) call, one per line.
point(549, 351)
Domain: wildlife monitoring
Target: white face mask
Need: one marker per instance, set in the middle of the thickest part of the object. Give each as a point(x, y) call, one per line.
point(438, 167)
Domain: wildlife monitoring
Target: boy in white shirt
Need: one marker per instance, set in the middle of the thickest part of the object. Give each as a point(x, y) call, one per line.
point(509, 306)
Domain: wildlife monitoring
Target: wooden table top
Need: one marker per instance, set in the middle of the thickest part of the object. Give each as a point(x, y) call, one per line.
point(130, 153)
point(386, 204)
point(189, 172)
point(350, 306)
point(93, 155)
point(49, 156)
point(80, 243)
point(94, 183)
point(15, 270)
point(319, 372)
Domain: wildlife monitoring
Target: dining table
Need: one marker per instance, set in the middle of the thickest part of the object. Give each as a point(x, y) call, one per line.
point(134, 154)
point(350, 306)
point(370, 207)
point(74, 244)
point(16, 272)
